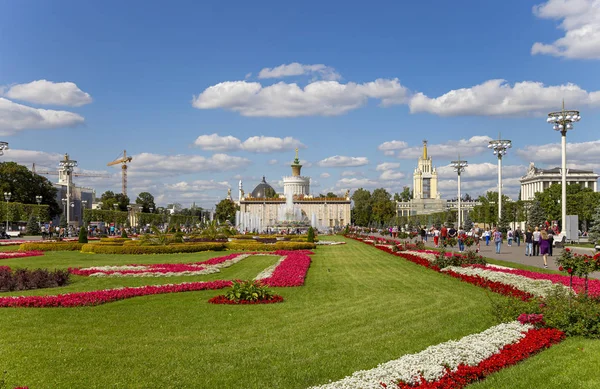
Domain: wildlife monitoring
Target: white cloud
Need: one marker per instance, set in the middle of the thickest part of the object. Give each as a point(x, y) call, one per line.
point(156, 164)
point(29, 157)
point(297, 69)
point(481, 171)
point(498, 98)
point(390, 175)
point(392, 145)
point(352, 173)
point(449, 150)
point(16, 117)
point(273, 162)
point(325, 175)
point(49, 93)
point(476, 188)
point(214, 142)
point(198, 186)
point(581, 23)
point(387, 166)
point(320, 98)
point(583, 155)
point(268, 144)
point(342, 161)
point(255, 144)
point(355, 183)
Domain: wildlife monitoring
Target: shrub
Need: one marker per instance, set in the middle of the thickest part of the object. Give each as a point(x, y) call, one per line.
point(24, 279)
point(469, 258)
point(33, 226)
point(280, 245)
point(114, 240)
point(123, 234)
point(310, 236)
point(51, 246)
point(140, 249)
point(82, 235)
point(248, 291)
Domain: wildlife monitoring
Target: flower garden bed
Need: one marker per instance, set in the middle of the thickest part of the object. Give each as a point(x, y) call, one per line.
point(221, 299)
point(20, 254)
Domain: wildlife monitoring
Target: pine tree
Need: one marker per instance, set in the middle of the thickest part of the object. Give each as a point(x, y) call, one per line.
point(33, 226)
point(594, 231)
point(468, 222)
point(310, 235)
point(83, 235)
point(63, 221)
point(537, 215)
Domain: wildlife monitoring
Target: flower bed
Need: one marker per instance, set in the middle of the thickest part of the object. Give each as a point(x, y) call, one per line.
point(137, 249)
point(210, 266)
point(20, 254)
point(454, 364)
point(291, 271)
point(51, 246)
point(98, 297)
point(224, 300)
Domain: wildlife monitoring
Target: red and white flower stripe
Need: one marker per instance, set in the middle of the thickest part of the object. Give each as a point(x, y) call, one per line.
point(19, 254)
point(450, 360)
point(268, 272)
point(291, 271)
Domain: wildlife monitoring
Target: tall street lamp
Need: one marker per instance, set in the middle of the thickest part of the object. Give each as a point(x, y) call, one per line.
point(67, 165)
point(38, 200)
point(563, 122)
point(83, 207)
point(7, 196)
point(3, 146)
point(500, 148)
point(459, 167)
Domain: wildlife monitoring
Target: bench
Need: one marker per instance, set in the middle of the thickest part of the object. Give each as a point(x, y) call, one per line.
point(561, 242)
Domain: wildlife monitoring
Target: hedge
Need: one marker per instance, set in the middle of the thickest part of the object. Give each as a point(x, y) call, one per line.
point(51, 246)
point(270, 247)
point(114, 240)
point(135, 249)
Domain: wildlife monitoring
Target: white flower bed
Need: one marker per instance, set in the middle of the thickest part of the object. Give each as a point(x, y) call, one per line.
point(431, 363)
point(539, 288)
point(329, 242)
point(422, 254)
point(268, 272)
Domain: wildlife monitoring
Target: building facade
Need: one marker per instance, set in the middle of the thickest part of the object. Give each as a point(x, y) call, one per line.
point(538, 180)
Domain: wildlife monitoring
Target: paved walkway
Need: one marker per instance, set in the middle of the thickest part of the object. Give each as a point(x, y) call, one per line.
point(516, 254)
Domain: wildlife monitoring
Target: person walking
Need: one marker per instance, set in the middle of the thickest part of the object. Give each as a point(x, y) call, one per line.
point(461, 239)
point(476, 238)
point(536, 242)
point(444, 235)
point(436, 237)
point(518, 234)
point(544, 246)
point(423, 234)
point(486, 235)
point(497, 235)
point(528, 243)
point(550, 241)
point(509, 236)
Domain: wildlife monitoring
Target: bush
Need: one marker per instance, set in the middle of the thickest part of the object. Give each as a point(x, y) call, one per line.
point(469, 258)
point(82, 235)
point(248, 291)
point(246, 246)
point(114, 240)
point(139, 249)
point(51, 246)
point(33, 226)
point(310, 236)
point(24, 279)
point(123, 234)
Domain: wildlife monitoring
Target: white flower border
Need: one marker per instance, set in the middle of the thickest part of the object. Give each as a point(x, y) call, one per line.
point(540, 288)
point(268, 272)
point(432, 362)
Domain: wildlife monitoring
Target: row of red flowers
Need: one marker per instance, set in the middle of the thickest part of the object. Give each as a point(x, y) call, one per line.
point(18, 254)
point(98, 297)
point(224, 300)
point(291, 271)
point(534, 341)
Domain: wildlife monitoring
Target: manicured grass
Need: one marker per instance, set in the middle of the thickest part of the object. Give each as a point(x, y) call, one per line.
point(359, 307)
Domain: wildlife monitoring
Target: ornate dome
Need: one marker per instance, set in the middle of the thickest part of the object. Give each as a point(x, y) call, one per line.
point(259, 191)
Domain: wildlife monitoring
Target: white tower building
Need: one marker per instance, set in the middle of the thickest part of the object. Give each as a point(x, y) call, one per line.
point(296, 185)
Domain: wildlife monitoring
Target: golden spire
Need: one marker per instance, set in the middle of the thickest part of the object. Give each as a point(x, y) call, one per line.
point(296, 166)
point(425, 149)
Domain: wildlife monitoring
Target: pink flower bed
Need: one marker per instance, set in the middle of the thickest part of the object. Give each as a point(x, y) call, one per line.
point(18, 254)
point(291, 271)
point(98, 297)
point(578, 283)
point(224, 300)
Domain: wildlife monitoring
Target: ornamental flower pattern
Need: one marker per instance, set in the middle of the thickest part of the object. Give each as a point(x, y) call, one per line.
point(19, 254)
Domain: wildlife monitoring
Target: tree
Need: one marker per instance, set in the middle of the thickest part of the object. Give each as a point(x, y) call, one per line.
point(109, 199)
point(146, 200)
point(594, 231)
point(537, 215)
point(406, 194)
point(82, 235)
point(468, 222)
point(361, 213)
point(62, 223)
point(331, 195)
point(33, 226)
point(382, 205)
point(24, 186)
point(225, 211)
point(310, 237)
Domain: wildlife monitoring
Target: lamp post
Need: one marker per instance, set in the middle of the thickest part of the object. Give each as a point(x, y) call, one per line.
point(7, 196)
point(500, 147)
point(459, 167)
point(3, 146)
point(67, 165)
point(563, 121)
point(38, 200)
point(83, 206)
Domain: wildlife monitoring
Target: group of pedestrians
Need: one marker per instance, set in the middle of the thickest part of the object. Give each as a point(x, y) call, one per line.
point(539, 242)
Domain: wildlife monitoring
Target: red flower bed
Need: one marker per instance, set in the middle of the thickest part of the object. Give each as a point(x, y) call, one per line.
point(494, 286)
point(97, 297)
point(17, 254)
point(291, 272)
point(224, 300)
point(534, 341)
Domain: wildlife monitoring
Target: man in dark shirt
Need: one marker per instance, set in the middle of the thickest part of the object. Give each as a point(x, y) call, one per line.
point(528, 243)
point(444, 235)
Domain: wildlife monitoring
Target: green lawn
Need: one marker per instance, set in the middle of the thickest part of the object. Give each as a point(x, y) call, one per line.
point(359, 307)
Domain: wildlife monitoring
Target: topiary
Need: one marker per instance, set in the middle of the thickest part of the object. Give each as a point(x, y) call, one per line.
point(310, 235)
point(82, 235)
point(33, 226)
point(123, 234)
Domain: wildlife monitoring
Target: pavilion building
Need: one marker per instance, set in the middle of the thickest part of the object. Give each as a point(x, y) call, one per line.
point(538, 180)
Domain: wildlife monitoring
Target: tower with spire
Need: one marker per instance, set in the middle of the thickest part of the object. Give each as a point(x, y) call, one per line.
point(296, 184)
point(425, 177)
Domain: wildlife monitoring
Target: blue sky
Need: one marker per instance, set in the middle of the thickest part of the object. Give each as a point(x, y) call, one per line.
point(203, 95)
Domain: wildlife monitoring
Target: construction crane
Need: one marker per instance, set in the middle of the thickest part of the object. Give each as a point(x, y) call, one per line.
point(124, 160)
point(58, 172)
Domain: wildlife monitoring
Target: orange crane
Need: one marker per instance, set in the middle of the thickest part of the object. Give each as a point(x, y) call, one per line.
point(124, 160)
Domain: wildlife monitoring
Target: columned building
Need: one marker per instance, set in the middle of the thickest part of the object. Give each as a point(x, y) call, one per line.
point(538, 180)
